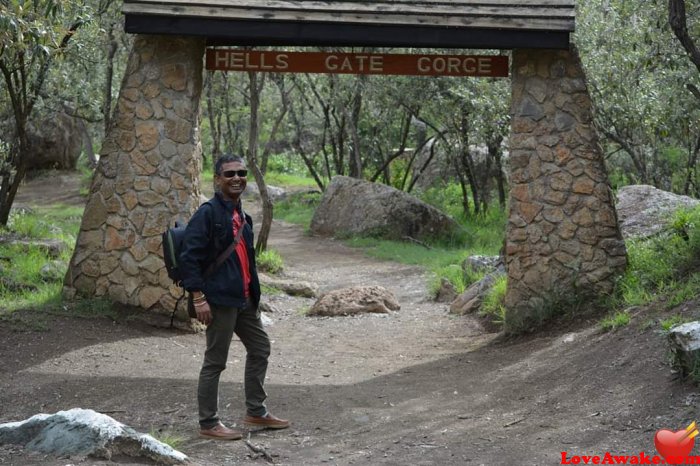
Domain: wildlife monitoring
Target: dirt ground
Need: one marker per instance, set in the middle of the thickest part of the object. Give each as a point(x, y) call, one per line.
point(417, 386)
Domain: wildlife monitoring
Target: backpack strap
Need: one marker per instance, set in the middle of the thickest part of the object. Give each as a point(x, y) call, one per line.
point(224, 255)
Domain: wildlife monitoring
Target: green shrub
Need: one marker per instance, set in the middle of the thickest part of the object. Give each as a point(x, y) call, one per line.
point(269, 261)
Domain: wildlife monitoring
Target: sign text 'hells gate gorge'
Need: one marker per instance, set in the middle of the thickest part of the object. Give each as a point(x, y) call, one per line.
point(357, 63)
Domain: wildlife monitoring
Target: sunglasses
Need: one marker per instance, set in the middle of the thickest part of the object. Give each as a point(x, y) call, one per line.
point(232, 173)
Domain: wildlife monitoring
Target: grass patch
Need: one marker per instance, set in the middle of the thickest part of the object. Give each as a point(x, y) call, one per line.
point(670, 322)
point(289, 180)
point(171, 439)
point(270, 290)
point(664, 265)
point(31, 277)
point(298, 208)
point(408, 253)
point(56, 221)
point(615, 321)
point(494, 306)
point(453, 273)
point(485, 232)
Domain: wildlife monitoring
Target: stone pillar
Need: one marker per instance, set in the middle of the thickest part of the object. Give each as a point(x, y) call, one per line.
point(563, 242)
point(148, 176)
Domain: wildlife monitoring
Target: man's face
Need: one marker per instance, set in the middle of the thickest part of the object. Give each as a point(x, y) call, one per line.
point(232, 180)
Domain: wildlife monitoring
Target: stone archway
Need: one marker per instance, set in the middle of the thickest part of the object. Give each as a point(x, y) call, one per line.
point(562, 238)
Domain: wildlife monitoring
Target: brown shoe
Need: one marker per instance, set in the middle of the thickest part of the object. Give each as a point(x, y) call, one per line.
point(220, 432)
point(268, 421)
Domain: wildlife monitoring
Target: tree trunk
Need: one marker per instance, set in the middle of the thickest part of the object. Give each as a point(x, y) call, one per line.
point(353, 120)
point(495, 152)
point(107, 90)
point(214, 117)
point(253, 135)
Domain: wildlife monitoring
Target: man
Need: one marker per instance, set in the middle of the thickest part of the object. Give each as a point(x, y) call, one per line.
point(226, 297)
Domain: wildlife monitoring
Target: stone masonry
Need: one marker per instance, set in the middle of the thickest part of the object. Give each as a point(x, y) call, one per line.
point(148, 175)
point(563, 242)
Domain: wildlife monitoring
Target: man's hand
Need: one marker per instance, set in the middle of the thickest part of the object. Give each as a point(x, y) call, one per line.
point(203, 313)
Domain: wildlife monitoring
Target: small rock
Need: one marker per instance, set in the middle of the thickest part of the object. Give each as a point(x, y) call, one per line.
point(685, 347)
point(355, 300)
point(447, 292)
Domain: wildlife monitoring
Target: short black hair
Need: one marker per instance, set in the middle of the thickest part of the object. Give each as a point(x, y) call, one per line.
point(226, 158)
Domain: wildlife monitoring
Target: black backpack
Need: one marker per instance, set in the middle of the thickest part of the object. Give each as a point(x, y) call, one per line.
point(172, 246)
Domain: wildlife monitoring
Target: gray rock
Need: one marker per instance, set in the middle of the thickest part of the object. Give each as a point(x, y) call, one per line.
point(275, 193)
point(644, 211)
point(356, 207)
point(355, 300)
point(83, 432)
point(290, 287)
point(264, 306)
point(53, 271)
point(483, 263)
point(685, 347)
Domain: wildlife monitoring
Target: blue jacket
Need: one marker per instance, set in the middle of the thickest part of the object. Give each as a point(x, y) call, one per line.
point(208, 233)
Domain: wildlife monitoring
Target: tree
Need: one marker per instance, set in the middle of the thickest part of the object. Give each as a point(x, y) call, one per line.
point(637, 79)
point(678, 20)
point(33, 34)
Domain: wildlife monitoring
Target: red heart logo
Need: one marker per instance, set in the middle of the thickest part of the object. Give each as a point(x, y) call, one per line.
point(673, 446)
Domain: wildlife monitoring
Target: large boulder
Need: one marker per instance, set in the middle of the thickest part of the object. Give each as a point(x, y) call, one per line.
point(356, 207)
point(86, 433)
point(55, 142)
point(645, 210)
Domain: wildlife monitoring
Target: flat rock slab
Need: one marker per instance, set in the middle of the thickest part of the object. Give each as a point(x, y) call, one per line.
point(290, 287)
point(82, 433)
point(355, 300)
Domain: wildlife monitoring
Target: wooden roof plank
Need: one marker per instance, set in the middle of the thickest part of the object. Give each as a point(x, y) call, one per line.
point(424, 19)
point(382, 7)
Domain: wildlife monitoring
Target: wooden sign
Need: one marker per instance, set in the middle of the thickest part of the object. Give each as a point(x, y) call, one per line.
point(357, 63)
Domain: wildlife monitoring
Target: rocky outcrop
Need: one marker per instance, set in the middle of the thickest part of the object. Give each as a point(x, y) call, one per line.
point(82, 433)
point(356, 207)
point(355, 300)
point(644, 210)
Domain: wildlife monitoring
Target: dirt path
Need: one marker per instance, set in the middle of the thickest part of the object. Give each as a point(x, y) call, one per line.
point(417, 386)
